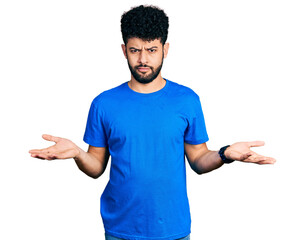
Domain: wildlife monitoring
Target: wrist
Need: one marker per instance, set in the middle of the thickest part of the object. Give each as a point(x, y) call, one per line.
point(78, 153)
point(223, 156)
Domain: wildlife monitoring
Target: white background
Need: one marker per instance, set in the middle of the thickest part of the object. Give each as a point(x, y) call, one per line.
point(245, 59)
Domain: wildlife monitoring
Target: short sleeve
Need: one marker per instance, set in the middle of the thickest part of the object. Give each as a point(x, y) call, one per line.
point(95, 134)
point(195, 132)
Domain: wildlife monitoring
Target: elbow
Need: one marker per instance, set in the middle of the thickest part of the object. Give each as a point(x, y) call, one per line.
point(93, 172)
point(96, 175)
point(197, 170)
point(201, 171)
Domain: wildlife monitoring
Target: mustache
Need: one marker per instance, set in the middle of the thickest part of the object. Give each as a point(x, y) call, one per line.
point(141, 65)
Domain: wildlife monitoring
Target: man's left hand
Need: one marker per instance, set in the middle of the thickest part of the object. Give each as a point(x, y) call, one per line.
point(241, 152)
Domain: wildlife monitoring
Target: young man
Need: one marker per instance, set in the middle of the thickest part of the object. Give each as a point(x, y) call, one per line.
point(147, 125)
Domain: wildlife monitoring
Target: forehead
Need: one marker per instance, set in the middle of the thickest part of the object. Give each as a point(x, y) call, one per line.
point(140, 43)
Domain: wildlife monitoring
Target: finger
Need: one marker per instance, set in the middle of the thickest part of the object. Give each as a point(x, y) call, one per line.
point(259, 159)
point(268, 160)
point(37, 156)
point(44, 153)
point(43, 156)
point(39, 151)
point(50, 138)
point(256, 143)
point(245, 156)
point(35, 151)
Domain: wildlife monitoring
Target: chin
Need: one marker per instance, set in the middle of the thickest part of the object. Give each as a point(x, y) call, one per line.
point(144, 81)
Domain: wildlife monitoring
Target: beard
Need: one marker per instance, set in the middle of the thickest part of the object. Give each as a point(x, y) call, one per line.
point(145, 78)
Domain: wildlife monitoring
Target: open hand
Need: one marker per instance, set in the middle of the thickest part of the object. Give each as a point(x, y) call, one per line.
point(241, 152)
point(63, 149)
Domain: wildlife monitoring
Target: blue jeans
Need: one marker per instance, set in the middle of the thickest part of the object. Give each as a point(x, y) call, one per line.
point(108, 237)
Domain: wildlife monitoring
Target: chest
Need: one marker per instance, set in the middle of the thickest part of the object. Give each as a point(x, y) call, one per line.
point(145, 121)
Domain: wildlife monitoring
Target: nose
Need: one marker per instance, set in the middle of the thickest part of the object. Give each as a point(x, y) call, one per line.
point(143, 58)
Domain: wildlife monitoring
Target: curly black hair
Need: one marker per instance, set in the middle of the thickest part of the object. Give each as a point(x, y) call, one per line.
point(145, 22)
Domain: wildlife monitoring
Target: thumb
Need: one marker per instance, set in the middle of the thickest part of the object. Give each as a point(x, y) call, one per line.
point(256, 144)
point(50, 138)
point(245, 156)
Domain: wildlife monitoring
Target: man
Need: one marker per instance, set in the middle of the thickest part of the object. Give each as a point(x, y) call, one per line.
point(147, 125)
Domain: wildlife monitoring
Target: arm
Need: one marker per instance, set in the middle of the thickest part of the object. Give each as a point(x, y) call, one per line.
point(93, 162)
point(203, 160)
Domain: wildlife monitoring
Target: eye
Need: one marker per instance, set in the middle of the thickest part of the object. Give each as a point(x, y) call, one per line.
point(152, 50)
point(134, 50)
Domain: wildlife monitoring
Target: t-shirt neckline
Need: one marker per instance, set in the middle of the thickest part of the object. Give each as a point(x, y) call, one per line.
point(156, 93)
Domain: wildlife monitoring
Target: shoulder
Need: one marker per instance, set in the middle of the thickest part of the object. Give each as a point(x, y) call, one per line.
point(185, 98)
point(108, 96)
point(183, 91)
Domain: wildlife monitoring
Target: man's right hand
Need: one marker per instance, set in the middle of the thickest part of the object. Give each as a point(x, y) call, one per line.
point(63, 149)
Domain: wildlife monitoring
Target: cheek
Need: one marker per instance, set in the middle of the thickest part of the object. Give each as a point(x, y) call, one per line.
point(131, 60)
point(156, 60)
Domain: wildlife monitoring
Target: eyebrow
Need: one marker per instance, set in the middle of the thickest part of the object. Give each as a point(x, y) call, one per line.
point(145, 48)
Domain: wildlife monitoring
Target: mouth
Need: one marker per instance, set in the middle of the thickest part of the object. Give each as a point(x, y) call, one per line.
point(143, 69)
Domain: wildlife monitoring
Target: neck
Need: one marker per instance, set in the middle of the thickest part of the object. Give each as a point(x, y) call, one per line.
point(157, 84)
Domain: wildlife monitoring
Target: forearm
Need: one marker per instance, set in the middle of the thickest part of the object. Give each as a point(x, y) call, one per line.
point(207, 162)
point(89, 164)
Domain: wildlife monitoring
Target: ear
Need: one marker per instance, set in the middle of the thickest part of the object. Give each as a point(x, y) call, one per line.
point(124, 50)
point(165, 49)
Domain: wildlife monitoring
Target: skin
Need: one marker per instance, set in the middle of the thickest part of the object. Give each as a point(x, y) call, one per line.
point(139, 52)
point(93, 162)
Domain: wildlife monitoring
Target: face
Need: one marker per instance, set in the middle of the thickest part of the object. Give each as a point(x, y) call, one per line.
point(145, 58)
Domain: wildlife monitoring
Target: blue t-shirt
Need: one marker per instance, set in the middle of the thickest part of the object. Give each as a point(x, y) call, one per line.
point(146, 196)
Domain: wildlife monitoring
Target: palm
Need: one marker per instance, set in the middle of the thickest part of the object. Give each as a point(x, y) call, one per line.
point(241, 152)
point(63, 149)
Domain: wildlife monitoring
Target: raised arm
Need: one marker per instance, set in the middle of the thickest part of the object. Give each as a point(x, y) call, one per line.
point(203, 160)
point(93, 162)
